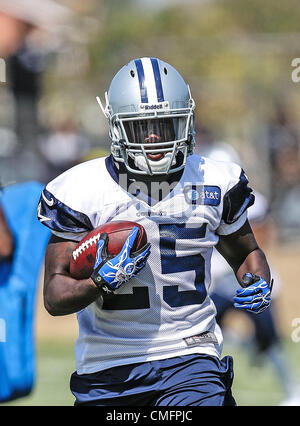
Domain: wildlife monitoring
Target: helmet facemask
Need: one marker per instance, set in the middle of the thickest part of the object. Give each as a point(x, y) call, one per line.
point(150, 138)
point(153, 141)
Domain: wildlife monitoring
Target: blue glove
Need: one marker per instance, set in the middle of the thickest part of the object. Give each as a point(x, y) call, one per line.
point(256, 297)
point(110, 273)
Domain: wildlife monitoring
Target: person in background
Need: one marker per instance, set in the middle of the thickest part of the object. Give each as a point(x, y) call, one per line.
point(23, 242)
point(266, 339)
point(26, 34)
point(31, 35)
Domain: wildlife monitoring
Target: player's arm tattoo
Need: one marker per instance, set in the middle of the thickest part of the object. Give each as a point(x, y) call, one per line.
point(243, 254)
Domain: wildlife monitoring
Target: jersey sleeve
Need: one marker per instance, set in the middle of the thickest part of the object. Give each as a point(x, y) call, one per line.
point(71, 205)
point(61, 219)
point(238, 198)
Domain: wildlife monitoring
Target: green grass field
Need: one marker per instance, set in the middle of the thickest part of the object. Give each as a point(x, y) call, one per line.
point(255, 381)
point(55, 364)
point(254, 384)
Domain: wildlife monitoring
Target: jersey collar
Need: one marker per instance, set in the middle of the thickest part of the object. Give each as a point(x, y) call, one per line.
point(114, 171)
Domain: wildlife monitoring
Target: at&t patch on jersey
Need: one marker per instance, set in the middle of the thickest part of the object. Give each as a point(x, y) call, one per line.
point(202, 195)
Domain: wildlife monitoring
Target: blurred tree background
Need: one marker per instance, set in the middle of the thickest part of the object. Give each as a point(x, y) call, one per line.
point(237, 58)
point(235, 55)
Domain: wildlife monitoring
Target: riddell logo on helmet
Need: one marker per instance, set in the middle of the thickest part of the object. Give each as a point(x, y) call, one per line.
point(151, 107)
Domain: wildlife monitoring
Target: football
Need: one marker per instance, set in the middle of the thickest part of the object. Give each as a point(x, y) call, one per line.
point(83, 257)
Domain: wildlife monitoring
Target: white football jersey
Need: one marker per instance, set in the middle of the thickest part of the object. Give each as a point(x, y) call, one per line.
point(165, 311)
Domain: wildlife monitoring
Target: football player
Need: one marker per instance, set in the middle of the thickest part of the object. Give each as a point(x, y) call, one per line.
point(147, 329)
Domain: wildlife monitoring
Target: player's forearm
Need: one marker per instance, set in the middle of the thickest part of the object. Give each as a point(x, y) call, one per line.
point(63, 295)
point(256, 263)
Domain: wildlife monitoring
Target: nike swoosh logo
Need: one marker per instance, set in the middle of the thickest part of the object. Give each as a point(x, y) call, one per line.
point(48, 202)
point(40, 216)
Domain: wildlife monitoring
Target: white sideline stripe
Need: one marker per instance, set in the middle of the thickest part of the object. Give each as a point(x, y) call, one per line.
point(149, 80)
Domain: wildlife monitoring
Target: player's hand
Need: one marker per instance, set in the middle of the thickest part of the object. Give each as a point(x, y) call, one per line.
point(256, 296)
point(110, 273)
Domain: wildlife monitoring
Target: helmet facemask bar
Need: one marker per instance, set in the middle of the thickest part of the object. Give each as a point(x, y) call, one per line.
point(128, 144)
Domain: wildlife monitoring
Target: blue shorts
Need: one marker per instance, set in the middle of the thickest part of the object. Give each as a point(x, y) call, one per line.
point(190, 380)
